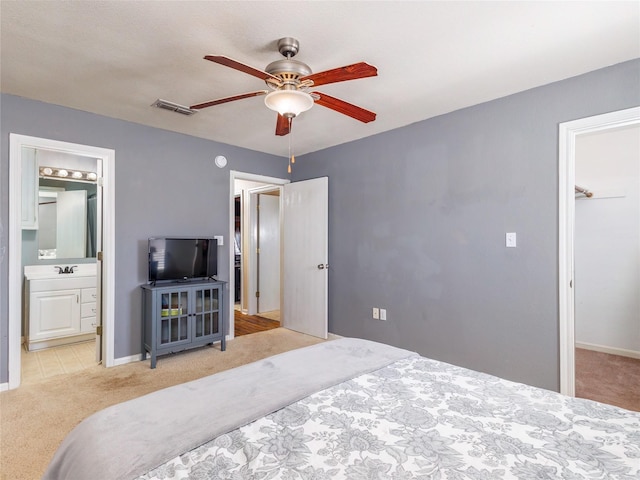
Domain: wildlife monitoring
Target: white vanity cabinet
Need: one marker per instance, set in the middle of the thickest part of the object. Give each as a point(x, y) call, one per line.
point(53, 313)
point(59, 308)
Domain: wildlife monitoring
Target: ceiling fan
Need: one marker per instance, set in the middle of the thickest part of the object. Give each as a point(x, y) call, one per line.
point(290, 80)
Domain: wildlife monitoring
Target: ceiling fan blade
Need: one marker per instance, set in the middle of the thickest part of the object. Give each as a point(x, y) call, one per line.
point(227, 99)
point(229, 62)
point(342, 74)
point(345, 108)
point(283, 127)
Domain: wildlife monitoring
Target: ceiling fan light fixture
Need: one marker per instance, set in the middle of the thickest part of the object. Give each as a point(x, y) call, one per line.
point(288, 103)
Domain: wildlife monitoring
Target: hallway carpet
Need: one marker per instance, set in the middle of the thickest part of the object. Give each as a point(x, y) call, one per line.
point(608, 378)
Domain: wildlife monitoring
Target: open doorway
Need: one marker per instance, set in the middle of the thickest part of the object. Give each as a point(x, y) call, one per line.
point(256, 253)
point(24, 195)
point(607, 266)
point(569, 135)
point(61, 219)
point(303, 252)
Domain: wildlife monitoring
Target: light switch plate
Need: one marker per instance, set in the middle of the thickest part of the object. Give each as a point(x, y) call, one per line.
point(511, 239)
point(220, 240)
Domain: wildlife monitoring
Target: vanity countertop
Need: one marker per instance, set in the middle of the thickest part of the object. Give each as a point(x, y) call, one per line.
point(32, 272)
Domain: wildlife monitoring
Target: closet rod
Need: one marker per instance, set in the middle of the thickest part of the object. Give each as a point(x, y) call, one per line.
point(584, 191)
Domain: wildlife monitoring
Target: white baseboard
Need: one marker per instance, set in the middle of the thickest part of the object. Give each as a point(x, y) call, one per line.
point(138, 357)
point(125, 360)
point(4, 387)
point(610, 350)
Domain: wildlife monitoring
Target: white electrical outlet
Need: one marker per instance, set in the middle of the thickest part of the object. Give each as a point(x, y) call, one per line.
point(220, 240)
point(376, 313)
point(383, 314)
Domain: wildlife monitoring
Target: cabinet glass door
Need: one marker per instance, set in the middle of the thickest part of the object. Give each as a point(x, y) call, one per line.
point(206, 312)
point(174, 313)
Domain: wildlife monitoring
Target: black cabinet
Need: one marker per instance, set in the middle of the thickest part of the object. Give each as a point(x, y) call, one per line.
point(177, 316)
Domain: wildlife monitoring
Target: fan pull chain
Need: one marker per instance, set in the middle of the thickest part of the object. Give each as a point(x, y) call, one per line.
point(289, 166)
point(291, 157)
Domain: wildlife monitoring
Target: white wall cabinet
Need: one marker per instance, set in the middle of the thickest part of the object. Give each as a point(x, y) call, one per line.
point(59, 310)
point(30, 181)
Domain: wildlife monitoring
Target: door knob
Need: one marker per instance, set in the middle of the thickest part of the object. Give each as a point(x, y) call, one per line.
point(322, 266)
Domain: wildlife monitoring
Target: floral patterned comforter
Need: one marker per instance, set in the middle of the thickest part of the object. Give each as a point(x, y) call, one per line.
point(419, 418)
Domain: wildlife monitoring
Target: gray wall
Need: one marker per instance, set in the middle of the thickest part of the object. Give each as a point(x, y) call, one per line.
point(166, 184)
point(417, 222)
point(417, 218)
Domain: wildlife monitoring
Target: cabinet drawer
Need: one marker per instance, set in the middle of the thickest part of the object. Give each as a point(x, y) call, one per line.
point(88, 310)
point(88, 324)
point(88, 295)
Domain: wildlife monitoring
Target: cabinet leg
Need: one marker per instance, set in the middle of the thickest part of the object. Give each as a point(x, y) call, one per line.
point(153, 360)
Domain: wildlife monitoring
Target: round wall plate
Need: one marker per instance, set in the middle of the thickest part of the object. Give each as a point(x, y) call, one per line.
point(221, 161)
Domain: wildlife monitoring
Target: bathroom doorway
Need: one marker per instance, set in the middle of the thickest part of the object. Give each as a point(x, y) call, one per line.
point(25, 174)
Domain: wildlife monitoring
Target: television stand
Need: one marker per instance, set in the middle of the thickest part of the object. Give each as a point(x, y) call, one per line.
point(180, 315)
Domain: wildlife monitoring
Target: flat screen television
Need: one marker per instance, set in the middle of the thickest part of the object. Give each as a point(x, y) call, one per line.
point(182, 259)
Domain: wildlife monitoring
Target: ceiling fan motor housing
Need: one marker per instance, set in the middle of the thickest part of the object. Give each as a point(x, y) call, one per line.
point(288, 70)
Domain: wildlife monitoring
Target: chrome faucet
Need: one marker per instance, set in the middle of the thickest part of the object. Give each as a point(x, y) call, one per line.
point(66, 269)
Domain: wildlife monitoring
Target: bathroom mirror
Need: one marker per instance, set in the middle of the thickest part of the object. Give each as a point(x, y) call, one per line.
point(59, 206)
point(67, 219)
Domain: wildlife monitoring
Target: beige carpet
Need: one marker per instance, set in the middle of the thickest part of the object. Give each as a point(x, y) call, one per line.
point(36, 417)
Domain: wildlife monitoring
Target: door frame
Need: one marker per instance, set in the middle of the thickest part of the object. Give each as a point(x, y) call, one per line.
point(234, 175)
point(568, 132)
point(106, 268)
point(253, 257)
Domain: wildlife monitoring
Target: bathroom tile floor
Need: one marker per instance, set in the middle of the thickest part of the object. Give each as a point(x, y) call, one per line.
point(41, 364)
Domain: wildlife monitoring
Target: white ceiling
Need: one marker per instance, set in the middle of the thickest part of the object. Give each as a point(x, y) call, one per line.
point(115, 58)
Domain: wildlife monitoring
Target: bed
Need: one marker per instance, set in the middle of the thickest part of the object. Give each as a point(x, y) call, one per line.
point(352, 408)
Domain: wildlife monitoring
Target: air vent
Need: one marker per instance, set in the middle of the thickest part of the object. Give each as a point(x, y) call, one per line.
point(174, 107)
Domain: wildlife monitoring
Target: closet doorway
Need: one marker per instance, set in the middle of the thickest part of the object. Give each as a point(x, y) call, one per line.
point(607, 266)
point(570, 136)
point(21, 147)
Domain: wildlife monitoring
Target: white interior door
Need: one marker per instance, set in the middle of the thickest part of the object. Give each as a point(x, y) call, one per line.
point(269, 252)
point(305, 256)
point(100, 339)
